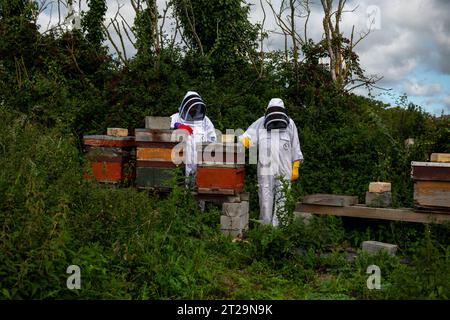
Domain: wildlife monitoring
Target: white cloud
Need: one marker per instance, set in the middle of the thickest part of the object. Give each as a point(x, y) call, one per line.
point(414, 88)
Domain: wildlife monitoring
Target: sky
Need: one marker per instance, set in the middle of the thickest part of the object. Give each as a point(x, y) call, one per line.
point(408, 44)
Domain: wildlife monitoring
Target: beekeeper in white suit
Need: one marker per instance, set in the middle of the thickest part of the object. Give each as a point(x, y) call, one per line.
point(192, 117)
point(279, 158)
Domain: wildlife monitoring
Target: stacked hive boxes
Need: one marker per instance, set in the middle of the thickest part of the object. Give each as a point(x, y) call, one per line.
point(432, 183)
point(111, 157)
point(221, 172)
point(221, 168)
point(154, 144)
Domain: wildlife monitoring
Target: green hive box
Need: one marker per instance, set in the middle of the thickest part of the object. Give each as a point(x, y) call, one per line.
point(154, 177)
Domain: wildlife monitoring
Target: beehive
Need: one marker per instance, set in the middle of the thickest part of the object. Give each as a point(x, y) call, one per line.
point(221, 168)
point(156, 157)
point(431, 185)
point(220, 180)
point(111, 158)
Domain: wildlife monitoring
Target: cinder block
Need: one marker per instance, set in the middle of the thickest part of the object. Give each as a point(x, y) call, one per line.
point(379, 187)
point(373, 247)
point(117, 132)
point(160, 123)
point(235, 209)
point(409, 142)
point(379, 199)
point(233, 223)
point(232, 233)
point(440, 157)
point(245, 196)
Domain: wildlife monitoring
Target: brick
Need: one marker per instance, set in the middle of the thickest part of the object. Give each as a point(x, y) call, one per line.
point(117, 132)
point(374, 247)
point(379, 199)
point(235, 209)
point(157, 122)
point(440, 157)
point(379, 187)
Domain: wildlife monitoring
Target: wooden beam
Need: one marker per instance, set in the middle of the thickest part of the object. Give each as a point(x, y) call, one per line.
point(360, 211)
point(330, 200)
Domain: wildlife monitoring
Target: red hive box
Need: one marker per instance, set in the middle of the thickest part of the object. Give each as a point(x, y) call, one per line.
point(112, 159)
point(220, 180)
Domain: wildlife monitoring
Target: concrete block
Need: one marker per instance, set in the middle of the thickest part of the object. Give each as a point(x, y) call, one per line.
point(440, 157)
point(379, 200)
point(245, 196)
point(235, 209)
point(409, 142)
point(379, 187)
point(157, 123)
point(245, 218)
point(232, 233)
point(117, 132)
point(233, 223)
point(374, 247)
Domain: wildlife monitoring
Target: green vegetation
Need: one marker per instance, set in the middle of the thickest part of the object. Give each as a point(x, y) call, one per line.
point(55, 87)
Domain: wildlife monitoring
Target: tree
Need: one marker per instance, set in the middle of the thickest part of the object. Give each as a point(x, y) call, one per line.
point(217, 29)
point(345, 69)
point(92, 22)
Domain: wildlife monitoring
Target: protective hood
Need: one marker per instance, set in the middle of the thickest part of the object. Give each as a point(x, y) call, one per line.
point(276, 116)
point(192, 107)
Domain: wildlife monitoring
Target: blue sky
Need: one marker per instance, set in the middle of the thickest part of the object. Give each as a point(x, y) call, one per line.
point(409, 45)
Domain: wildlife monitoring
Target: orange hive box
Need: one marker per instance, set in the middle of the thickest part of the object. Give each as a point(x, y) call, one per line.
point(111, 171)
point(111, 158)
point(220, 179)
point(154, 154)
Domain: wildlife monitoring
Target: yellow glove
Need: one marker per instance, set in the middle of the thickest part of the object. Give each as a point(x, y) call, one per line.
point(295, 166)
point(245, 141)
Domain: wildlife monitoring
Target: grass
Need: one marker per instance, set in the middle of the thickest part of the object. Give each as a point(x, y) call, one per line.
point(130, 245)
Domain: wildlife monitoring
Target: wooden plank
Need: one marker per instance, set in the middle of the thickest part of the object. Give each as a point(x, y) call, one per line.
point(330, 200)
point(429, 164)
point(440, 157)
point(108, 141)
point(360, 211)
point(432, 193)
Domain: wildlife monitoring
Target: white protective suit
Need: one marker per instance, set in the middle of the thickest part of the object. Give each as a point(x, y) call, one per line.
point(277, 150)
point(203, 131)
